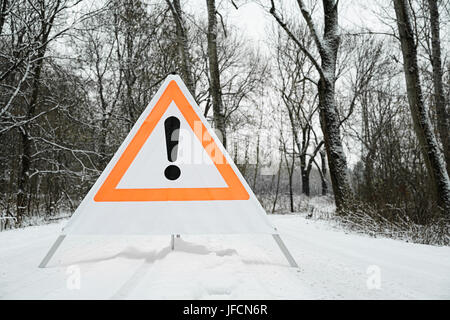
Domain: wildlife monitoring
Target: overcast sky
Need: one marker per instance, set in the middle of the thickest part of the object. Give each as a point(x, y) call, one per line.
point(253, 19)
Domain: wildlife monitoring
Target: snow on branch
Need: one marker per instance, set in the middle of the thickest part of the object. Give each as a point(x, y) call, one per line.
point(312, 28)
point(297, 41)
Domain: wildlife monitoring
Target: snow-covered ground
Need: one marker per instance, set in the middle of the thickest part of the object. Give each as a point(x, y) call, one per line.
point(333, 265)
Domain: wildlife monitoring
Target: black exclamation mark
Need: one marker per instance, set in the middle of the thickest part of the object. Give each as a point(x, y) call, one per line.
point(172, 126)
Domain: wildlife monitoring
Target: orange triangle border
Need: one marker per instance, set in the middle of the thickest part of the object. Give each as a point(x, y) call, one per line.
point(108, 191)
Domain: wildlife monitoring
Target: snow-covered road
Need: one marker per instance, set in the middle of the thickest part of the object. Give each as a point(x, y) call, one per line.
point(333, 265)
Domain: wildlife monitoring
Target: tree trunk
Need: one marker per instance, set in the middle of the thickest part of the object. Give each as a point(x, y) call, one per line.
point(183, 48)
point(337, 161)
point(215, 89)
point(368, 176)
point(3, 13)
point(255, 174)
point(277, 190)
point(329, 119)
point(305, 175)
point(432, 155)
point(291, 190)
point(23, 177)
point(323, 176)
point(129, 68)
point(305, 183)
point(25, 159)
point(439, 97)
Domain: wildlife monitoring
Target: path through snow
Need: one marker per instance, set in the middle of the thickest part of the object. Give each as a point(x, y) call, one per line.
point(333, 265)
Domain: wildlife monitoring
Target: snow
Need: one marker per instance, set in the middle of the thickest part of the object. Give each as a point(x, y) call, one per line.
point(333, 265)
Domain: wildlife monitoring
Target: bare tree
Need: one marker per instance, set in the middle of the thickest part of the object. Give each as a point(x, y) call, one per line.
point(295, 86)
point(243, 72)
point(323, 171)
point(183, 44)
point(277, 189)
point(327, 47)
point(289, 158)
point(215, 87)
point(433, 157)
point(44, 15)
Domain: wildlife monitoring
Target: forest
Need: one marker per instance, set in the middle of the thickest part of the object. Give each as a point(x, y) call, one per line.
point(345, 122)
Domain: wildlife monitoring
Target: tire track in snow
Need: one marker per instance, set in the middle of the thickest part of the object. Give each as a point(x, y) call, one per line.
point(139, 274)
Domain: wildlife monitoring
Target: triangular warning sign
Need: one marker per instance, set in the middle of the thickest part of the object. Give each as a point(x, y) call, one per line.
point(171, 175)
point(154, 184)
point(109, 190)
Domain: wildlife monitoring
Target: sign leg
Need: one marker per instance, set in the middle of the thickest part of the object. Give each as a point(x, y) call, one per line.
point(172, 242)
point(285, 250)
point(52, 251)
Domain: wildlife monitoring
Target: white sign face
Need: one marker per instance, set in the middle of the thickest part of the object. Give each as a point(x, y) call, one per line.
point(171, 175)
point(147, 169)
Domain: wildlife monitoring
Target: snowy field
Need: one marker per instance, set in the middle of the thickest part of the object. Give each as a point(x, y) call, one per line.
point(333, 265)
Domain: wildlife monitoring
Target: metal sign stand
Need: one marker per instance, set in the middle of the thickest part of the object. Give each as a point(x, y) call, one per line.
point(52, 251)
point(285, 250)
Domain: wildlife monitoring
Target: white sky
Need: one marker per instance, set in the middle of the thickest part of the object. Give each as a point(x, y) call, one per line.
point(254, 20)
